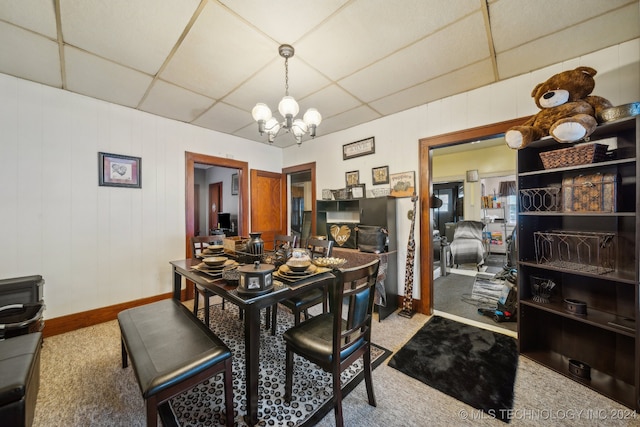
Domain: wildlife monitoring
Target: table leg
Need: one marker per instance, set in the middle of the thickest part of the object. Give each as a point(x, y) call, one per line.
point(177, 284)
point(252, 362)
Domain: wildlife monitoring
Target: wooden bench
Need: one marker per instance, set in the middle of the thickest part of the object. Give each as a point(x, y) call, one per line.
point(171, 351)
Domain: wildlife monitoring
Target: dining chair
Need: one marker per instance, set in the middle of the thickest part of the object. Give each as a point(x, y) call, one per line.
point(335, 340)
point(198, 244)
point(301, 303)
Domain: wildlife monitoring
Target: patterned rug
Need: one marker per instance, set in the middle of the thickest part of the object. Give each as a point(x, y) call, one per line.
point(204, 404)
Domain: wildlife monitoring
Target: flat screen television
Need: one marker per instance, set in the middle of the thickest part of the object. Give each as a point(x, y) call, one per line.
point(224, 219)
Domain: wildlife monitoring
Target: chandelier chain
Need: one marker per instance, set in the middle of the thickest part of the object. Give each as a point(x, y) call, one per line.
point(286, 76)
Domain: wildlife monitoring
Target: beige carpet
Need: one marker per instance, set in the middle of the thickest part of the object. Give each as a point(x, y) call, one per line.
point(82, 384)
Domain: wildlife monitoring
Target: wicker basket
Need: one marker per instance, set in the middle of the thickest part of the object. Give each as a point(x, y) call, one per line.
point(581, 154)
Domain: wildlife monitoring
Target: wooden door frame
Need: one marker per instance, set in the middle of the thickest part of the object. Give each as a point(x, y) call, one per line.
point(311, 167)
point(243, 193)
point(425, 303)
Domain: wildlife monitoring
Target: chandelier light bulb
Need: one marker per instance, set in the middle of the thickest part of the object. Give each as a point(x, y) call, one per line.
point(288, 106)
point(312, 117)
point(299, 128)
point(261, 112)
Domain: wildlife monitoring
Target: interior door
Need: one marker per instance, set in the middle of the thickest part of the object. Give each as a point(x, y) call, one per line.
point(215, 204)
point(267, 205)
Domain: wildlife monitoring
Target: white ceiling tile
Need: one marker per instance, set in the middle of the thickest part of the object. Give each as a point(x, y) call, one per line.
point(577, 40)
point(96, 77)
point(167, 100)
point(366, 31)
point(218, 54)
point(515, 22)
point(34, 15)
point(330, 101)
point(29, 56)
point(422, 61)
point(268, 85)
point(225, 118)
point(121, 30)
point(465, 79)
point(285, 21)
point(347, 119)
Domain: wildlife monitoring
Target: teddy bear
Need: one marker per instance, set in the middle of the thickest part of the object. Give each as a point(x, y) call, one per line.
point(567, 110)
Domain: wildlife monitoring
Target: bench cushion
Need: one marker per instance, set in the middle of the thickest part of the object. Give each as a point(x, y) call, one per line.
point(167, 344)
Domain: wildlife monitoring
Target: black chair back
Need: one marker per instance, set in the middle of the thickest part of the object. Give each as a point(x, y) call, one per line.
point(281, 239)
point(198, 243)
point(319, 247)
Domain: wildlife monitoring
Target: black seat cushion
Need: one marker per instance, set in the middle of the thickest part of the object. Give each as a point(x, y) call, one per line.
point(314, 338)
point(167, 344)
point(19, 361)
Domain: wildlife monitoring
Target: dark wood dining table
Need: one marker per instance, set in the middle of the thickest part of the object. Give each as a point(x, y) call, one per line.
point(251, 305)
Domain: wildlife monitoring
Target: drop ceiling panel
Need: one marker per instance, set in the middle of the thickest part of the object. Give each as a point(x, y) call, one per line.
point(34, 15)
point(29, 56)
point(226, 118)
point(330, 101)
point(422, 61)
point(516, 22)
point(219, 53)
point(121, 30)
point(347, 119)
point(283, 20)
point(578, 40)
point(366, 31)
point(268, 84)
point(167, 100)
point(96, 77)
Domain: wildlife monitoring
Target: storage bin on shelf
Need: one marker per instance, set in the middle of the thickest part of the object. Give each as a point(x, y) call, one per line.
point(545, 199)
point(580, 154)
point(590, 252)
point(590, 193)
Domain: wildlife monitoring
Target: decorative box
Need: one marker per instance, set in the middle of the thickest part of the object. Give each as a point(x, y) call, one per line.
point(590, 193)
point(343, 234)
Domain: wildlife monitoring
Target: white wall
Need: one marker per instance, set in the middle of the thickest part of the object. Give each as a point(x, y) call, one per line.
point(397, 136)
point(96, 246)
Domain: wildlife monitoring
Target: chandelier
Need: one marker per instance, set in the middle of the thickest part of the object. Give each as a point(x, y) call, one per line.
point(288, 108)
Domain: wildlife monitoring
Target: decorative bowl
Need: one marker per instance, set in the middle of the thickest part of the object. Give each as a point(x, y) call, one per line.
point(619, 112)
point(298, 266)
point(330, 262)
point(215, 261)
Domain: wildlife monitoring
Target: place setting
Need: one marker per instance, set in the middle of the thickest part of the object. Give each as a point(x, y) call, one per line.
point(211, 251)
point(216, 265)
point(298, 267)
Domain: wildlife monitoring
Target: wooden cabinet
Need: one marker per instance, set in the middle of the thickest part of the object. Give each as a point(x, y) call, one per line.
point(592, 258)
point(380, 211)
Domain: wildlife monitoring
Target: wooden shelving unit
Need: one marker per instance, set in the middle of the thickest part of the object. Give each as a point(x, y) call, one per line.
point(607, 338)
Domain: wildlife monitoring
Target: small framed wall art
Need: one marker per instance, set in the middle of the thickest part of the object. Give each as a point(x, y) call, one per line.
point(359, 148)
point(380, 175)
point(352, 178)
point(234, 184)
point(402, 184)
point(358, 191)
point(115, 170)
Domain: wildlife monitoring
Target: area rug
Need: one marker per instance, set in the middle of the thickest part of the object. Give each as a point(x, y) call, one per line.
point(473, 365)
point(312, 388)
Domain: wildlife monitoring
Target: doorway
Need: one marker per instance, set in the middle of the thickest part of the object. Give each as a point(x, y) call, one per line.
point(425, 302)
point(301, 200)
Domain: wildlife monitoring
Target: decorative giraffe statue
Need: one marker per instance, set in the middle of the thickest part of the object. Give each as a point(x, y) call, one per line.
point(407, 304)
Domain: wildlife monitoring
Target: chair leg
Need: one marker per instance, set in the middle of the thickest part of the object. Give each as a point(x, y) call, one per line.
point(368, 380)
point(288, 382)
point(337, 398)
point(228, 392)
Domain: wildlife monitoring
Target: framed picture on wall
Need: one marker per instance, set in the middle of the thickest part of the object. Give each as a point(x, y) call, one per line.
point(402, 184)
point(115, 170)
point(234, 184)
point(380, 175)
point(352, 178)
point(358, 191)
